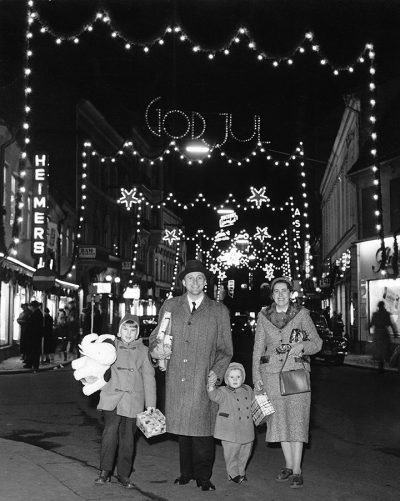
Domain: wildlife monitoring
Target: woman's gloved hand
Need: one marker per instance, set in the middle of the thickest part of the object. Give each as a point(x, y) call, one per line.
point(259, 386)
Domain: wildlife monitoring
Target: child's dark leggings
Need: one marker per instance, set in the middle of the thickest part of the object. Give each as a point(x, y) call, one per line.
point(117, 439)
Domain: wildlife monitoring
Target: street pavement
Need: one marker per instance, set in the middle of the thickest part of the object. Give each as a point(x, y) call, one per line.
point(31, 472)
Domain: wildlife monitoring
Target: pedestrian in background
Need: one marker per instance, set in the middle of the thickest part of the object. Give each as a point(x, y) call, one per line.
point(48, 339)
point(62, 336)
point(35, 330)
point(234, 425)
point(285, 328)
point(73, 328)
point(131, 387)
point(326, 313)
point(201, 346)
point(22, 320)
point(381, 321)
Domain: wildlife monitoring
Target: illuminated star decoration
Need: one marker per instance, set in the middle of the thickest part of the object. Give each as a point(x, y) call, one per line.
point(269, 271)
point(258, 196)
point(214, 268)
point(262, 233)
point(170, 236)
point(128, 198)
point(221, 275)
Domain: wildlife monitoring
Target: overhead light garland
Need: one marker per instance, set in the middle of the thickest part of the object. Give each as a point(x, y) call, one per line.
point(260, 151)
point(242, 35)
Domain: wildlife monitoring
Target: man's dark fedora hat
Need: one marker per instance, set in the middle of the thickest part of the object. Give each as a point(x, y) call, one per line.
point(194, 265)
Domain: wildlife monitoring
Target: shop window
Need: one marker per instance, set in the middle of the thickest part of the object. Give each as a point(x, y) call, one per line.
point(4, 313)
point(395, 205)
point(368, 207)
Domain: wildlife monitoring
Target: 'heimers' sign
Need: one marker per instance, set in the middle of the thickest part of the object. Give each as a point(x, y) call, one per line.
point(39, 209)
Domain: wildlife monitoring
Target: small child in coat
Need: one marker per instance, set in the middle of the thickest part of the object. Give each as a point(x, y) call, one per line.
point(132, 386)
point(234, 425)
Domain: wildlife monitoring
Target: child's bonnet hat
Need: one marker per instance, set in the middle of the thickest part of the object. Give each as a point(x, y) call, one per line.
point(234, 366)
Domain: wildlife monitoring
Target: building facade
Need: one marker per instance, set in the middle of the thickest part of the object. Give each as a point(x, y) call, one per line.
point(339, 220)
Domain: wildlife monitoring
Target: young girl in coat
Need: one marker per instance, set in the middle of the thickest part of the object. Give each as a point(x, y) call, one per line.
point(131, 387)
point(234, 425)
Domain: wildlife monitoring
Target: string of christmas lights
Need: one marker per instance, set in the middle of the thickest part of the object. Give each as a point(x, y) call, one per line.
point(242, 35)
point(175, 273)
point(173, 148)
point(22, 164)
point(377, 196)
point(306, 236)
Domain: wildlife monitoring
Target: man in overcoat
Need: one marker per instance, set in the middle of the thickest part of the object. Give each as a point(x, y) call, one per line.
point(201, 346)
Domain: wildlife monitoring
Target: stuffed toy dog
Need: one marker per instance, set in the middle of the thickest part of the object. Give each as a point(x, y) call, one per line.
point(98, 353)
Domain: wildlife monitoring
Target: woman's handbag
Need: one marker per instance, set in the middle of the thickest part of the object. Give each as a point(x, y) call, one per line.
point(294, 381)
point(261, 408)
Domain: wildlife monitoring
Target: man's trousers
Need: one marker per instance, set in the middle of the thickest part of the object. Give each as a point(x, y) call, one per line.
point(196, 457)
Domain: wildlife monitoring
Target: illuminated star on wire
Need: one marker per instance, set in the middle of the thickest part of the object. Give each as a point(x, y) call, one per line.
point(269, 271)
point(258, 196)
point(262, 233)
point(170, 236)
point(214, 268)
point(128, 198)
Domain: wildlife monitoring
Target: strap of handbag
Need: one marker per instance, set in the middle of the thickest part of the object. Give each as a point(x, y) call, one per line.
point(287, 355)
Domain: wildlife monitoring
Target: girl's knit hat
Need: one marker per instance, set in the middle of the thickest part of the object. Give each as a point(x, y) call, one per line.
point(128, 318)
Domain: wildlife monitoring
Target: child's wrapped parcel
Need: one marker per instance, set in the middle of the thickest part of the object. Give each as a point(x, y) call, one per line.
point(151, 422)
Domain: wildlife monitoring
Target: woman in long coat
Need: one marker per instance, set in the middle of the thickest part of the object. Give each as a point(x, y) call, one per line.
point(285, 328)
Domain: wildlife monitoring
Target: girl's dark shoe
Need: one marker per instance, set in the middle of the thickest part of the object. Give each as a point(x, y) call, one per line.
point(125, 482)
point(103, 478)
point(297, 481)
point(238, 479)
point(284, 474)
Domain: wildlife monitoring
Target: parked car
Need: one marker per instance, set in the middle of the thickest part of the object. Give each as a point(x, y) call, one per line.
point(334, 348)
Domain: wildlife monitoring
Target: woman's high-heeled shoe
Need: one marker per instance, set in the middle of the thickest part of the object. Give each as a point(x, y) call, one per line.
point(238, 479)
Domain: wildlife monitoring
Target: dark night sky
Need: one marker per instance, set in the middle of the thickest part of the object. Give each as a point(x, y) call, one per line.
point(304, 101)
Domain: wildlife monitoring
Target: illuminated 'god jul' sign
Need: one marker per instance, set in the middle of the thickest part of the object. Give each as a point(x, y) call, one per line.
point(39, 209)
